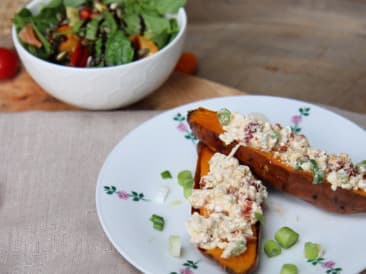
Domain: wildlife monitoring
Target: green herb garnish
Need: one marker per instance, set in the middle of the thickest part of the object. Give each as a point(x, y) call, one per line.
point(240, 246)
point(158, 222)
point(175, 245)
point(272, 248)
point(260, 218)
point(318, 173)
point(361, 165)
point(286, 237)
point(276, 135)
point(300, 162)
point(166, 174)
point(312, 250)
point(185, 179)
point(224, 116)
point(289, 269)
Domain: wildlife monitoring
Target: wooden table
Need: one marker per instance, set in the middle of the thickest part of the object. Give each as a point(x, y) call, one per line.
point(311, 50)
point(22, 93)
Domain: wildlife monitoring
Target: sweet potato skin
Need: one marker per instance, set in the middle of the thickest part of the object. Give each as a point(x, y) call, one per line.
point(244, 263)
point(206, 127)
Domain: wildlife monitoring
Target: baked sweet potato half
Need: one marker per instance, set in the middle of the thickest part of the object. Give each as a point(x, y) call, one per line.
point(276, 173)
point(240, 264)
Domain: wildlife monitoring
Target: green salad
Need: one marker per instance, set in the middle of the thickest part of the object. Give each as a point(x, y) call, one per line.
point(98, 33)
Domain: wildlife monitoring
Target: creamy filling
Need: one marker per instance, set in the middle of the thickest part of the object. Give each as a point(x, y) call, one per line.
point(294, 150)
point(233, 197)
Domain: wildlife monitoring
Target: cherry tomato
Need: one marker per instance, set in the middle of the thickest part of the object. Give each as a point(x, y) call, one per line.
point(187, 63)
point(85, 13)
point(79, 56)
point(9, 63)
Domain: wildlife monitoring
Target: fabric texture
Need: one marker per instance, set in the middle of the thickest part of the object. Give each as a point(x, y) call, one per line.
point(49, 166)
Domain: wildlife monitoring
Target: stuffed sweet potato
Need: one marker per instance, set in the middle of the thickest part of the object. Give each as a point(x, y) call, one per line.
point(285, 161)
point(236, 253)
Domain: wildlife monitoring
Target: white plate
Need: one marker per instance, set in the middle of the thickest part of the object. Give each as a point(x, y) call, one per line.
point(163, 143)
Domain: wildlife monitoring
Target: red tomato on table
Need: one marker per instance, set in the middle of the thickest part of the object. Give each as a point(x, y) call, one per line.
point(187, 63)
point(9, 63)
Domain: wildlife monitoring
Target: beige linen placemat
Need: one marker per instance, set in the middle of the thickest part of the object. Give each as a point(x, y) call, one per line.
point(49, 166)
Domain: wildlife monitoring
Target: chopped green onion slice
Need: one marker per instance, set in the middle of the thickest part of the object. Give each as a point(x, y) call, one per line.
point(162, 194)
point(300, 162)
point(156, 218)
point(361, 166)
point(289, 269)
point(240, 247)
point(259, 216)
point(175, 202)
point(362, 163)
point(175, 245)
point(166, 174)
point(318, 173)
point(272, 248)
point(312, 250)
point(185, 179)
point(276, 135)
point(286, 237)
point(158, 226)
point(224, 116)
point(187, 192)
point(158, 222)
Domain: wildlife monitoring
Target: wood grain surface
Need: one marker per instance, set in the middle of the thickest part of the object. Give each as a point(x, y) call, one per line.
point(22, 93)
point(312, 50)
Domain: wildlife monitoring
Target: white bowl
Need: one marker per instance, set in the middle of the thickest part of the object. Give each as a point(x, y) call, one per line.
point(107, 87)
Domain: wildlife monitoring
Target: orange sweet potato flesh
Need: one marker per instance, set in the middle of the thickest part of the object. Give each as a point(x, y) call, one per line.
point(245, 262)
point(206, 127)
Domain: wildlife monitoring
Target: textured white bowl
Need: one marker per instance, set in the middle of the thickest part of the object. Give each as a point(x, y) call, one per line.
point(107, 87)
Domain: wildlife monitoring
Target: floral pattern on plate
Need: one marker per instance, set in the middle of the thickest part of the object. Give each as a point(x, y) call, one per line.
point(123, 195)
point(327, 264)
point(297, 119)
point(184, 127)
point(188, 267)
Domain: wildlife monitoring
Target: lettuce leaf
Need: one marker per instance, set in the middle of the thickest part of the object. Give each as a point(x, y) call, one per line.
point(109, 25)
point(169, 6)
point(133, 24)
point(118, 49)
point(74, 3)
point(92, 28)
point(22, 18)
point(157, 29)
